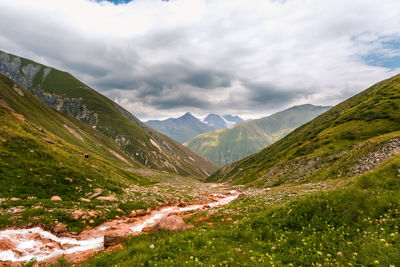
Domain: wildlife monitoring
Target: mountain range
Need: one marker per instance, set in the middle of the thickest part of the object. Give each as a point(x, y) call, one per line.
point(351, 138)
point(228, 145)
point(107, 120)
point(188, 126)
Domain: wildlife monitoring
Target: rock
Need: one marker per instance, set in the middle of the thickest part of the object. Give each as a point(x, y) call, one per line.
point(16, 210)
point(140, 212)
point(206, 206)
point(84, 199)
point(59, 228)
point(228, 219)
point(15, 199)
point(91, 221)
point(182, 204)
point(173, 222)
point(146, 229)
point(37, 207)
point(108, 198)
point(86, 156)
point(148, 210)
point(6, 244)
point(77, 214)
point(113, 238)
point(55, 198)
point(97, 192)
point(48, 141)
point(133, 214)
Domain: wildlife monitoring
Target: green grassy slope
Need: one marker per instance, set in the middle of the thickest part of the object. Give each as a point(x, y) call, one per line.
point(343, 141)
point(353, 225)
point(42, 154)
point(226, 146)
point(68, 95)
point(38, 152)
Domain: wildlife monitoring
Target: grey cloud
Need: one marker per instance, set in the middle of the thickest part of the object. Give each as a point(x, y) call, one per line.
point(218, 56)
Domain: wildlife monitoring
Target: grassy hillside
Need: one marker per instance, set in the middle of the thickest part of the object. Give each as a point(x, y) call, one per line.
point(232, 144)
point(68, 95)
point(43, 153)
point(349, 139)
point(353, 224)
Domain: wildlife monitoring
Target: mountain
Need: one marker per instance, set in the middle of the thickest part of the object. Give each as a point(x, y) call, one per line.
point(232, 144)
point(349, 139)
point(66, 94)
point(45, 153)
point(233, 119)
point(188, 126)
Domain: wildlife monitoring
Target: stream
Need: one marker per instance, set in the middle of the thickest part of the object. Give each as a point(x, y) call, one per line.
point(21, 245)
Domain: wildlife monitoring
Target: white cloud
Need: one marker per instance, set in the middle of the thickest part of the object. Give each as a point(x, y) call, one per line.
point(251, 57)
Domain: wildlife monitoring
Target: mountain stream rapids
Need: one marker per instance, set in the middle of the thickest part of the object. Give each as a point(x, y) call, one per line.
point(22, 245)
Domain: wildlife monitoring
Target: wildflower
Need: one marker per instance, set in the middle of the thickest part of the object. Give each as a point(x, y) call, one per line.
point(340, 254)
point(319, 252)
point(151, 246)
point(355, 253)
point(376, 262)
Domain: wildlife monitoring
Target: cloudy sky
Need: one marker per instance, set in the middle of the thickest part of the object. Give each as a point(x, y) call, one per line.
point(163, 58)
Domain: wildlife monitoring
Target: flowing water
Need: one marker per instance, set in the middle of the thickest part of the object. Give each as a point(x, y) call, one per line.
point(20, 245)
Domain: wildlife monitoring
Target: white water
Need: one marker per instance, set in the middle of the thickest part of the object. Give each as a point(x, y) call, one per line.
point(28, 248)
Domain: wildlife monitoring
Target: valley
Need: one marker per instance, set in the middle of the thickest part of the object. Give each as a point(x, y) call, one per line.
point(105, 190)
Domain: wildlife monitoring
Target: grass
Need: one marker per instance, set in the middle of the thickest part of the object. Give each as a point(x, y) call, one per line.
point(357, 224)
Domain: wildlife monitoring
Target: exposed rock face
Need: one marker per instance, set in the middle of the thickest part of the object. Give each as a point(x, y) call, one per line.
point(72, 106)
point(25, 75)
point(173, 222)
point(376, 157)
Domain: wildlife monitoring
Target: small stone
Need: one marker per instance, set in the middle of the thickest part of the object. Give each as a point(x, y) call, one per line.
point(37, 207)
point(84, 199)
point(59, 228)
point(97, 192)
point(77, 214)
point(133, 214)
point(55, 198)
point(91, 221)
point(15, 199)
point(229, 219)
point(108, 198)
point(140, 212)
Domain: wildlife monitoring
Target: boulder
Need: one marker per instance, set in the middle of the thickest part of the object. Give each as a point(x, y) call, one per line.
point(55, 198)
point(113, 238)
point(173, 222)
point(6, 244)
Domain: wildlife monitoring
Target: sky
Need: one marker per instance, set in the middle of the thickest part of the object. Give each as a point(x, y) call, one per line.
point(160, 59)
